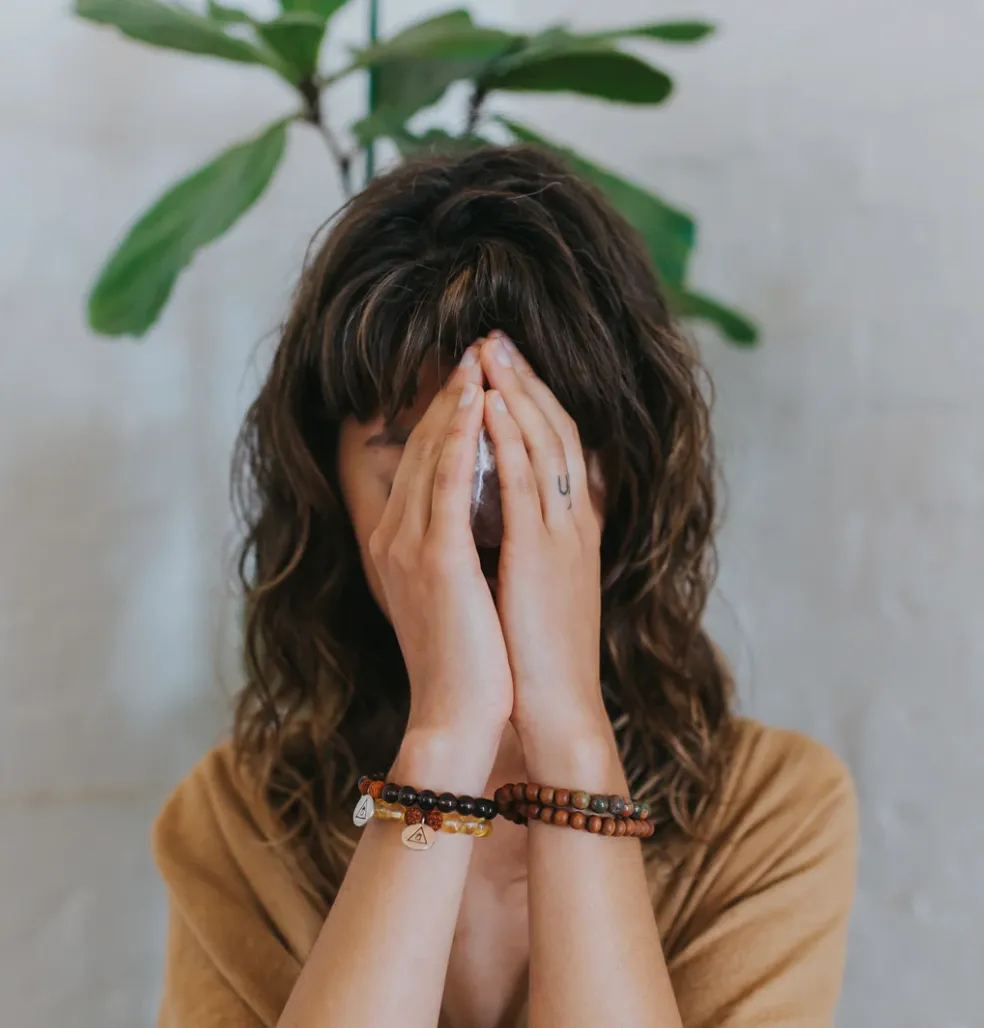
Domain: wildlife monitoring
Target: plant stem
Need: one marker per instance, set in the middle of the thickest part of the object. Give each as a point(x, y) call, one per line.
point(474, 108)
point(373, 35)
point(313, 114)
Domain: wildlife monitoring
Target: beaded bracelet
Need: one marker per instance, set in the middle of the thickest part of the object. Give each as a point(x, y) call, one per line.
point(423, 813)
point(525, 802)
point(447, 803)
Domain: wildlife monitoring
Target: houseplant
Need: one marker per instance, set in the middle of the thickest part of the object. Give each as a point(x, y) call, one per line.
point(408, 73)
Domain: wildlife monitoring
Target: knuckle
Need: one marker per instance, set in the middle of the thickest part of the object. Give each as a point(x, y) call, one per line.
point(522, 482)
point(569, 430)
point(448, 472)
point(402, 557)
point(378, 546)
point(457, 430)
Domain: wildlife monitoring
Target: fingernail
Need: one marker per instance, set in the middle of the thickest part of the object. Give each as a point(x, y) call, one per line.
point(509, 344)
point(497, 400)
point(467, 394)
point(470, 358)
point(502, 351)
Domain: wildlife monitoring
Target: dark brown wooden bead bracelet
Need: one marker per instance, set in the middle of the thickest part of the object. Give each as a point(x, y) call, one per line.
point(526, 801)
point(596, 824)
point(447, 803)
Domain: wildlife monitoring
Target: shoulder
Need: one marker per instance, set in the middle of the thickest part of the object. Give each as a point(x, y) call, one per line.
point(755, 913)
point(212, 813)
point(785, 809)
point(776, 780)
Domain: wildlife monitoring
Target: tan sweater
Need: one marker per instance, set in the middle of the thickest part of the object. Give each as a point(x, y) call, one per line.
point(753, 920)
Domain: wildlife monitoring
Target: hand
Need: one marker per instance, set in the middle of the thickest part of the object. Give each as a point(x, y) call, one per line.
point(439, 602)
point(549, 582)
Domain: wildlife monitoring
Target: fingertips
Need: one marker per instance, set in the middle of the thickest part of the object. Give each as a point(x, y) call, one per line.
point(498, 341)
point(469, 368)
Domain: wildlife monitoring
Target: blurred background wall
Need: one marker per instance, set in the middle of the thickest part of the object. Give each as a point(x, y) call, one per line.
point(834, 154)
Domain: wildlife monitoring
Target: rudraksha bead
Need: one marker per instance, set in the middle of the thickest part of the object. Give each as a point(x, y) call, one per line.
point(413, 816)
point(434, 819)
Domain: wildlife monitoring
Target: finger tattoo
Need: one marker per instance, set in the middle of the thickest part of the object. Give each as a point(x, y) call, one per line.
point(564, 487)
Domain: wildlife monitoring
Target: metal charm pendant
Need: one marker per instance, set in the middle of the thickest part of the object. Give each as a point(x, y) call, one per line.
point(418, 837)
point(363, 812)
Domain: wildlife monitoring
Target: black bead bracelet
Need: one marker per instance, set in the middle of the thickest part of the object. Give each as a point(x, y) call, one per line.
point(406, 796)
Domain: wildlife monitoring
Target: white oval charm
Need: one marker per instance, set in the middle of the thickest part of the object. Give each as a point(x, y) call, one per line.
point(363, 812)
point(418, 837)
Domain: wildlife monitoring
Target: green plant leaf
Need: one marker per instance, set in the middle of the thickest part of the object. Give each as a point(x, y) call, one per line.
point(452, 35)
point(404, 87)
point(667, 31)
point(175, 28)
point(557, 61)
point(734, 325)
point(296, 37)
point(227, 15)
point(324, 9)
point(414, 68)
point(136, 282)
point(668, 233)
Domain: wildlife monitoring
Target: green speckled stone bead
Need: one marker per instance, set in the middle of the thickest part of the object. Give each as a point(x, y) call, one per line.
point(644, 811)
point(581, 800)
point(616, 806)
point(599, 804)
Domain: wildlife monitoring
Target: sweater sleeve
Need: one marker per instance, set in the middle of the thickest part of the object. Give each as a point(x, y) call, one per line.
point(196, 994)
point(766, 940)
point(238, 928)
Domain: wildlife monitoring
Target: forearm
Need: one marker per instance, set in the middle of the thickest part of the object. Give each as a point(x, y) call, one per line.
point(382, 954)
point(595, 953)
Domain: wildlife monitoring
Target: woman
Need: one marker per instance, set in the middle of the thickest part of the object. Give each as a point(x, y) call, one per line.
point(493, 290)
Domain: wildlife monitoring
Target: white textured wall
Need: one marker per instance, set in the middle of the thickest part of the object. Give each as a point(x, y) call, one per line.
point(835, 155)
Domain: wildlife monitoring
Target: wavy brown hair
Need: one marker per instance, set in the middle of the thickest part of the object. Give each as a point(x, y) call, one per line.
point(425, 260)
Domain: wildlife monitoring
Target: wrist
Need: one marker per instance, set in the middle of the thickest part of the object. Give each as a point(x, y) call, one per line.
point(578, 753)
point(442, 761)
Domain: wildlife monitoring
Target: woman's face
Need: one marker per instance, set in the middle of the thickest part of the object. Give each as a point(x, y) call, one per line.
point(368, 456)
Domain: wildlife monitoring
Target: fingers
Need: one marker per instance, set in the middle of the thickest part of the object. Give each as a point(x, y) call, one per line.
point(409, 507)
point(558, 463)
point(521, 510)
point(455, 468)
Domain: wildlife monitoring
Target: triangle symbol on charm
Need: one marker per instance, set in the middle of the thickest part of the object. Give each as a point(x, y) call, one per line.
point(418, 837)
point(363, 807)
